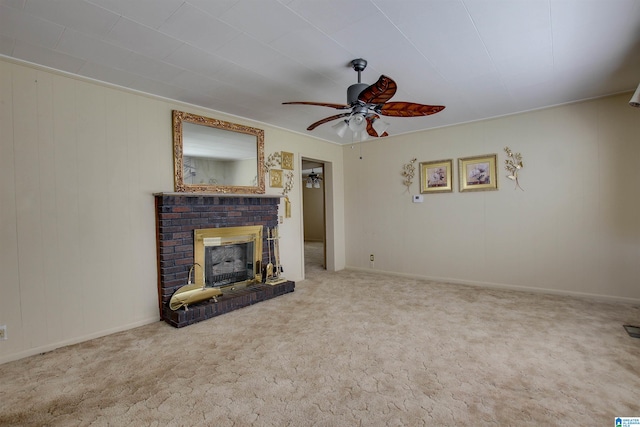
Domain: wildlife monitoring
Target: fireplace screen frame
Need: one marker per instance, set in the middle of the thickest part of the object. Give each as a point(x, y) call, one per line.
point(229, 236)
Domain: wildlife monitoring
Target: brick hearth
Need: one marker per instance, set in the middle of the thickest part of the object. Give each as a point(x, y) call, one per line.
point(177, 216)
point(229, 301)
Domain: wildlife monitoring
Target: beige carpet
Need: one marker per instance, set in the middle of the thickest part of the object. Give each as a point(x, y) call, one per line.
point(348, 349)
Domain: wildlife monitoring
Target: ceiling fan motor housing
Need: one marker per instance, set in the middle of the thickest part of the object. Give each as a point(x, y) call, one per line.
point(354, 91)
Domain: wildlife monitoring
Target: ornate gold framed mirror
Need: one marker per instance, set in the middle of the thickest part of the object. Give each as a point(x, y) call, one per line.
point(215, 156)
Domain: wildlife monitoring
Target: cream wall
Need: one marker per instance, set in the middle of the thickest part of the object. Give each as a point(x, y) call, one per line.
point(79, 163)
point(574, 229)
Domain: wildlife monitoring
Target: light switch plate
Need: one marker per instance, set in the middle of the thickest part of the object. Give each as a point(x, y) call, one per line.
point(418, 199)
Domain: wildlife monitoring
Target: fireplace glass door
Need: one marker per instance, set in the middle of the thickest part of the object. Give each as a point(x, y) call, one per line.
point(229, 256)
point(225, 265)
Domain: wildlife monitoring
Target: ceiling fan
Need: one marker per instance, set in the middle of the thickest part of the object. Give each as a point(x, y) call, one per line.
point(367, 104)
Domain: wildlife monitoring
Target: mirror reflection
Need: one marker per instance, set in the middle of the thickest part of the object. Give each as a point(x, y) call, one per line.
point(212, 155)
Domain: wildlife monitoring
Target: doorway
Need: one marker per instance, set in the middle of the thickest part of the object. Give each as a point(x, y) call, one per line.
point(314, 214)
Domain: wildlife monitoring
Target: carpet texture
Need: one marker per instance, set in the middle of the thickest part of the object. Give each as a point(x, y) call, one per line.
point(348, 349)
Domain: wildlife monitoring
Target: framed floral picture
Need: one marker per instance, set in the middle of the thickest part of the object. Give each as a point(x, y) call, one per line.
point(436, 177)
point(478, 173)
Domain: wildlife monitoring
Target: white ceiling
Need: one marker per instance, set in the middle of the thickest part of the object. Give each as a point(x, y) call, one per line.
point(479, 58)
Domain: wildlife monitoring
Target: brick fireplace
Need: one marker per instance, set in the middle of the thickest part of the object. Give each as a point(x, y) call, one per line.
point(177, 216)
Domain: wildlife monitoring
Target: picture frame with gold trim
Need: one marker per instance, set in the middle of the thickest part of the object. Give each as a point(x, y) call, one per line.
point(478, 173)
point(287, 160)
point(436, 176)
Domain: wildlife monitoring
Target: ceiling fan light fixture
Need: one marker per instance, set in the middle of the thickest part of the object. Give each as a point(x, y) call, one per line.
point(313, 180)
point(341, 128)
point(357, 122)
point(380, 126)
point(635, 99)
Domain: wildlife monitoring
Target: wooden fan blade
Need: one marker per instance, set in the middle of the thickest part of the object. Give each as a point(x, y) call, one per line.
point(379, 92)
point(326, 119)
point(370, 130)
point(321, 104)
point(408, 109)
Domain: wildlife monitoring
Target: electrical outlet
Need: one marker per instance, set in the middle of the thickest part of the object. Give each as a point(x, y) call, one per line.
point(3, 332)
point(371, 258)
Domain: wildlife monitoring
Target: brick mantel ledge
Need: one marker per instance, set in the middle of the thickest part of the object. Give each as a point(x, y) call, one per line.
point(178, 194)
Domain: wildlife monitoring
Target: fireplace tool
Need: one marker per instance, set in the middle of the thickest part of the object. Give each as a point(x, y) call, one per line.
point(275, 277)
point(269, 268)
point(193, 293)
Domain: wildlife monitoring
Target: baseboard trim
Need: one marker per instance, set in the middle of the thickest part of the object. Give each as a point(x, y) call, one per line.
point(76, 340)
point(491, 285)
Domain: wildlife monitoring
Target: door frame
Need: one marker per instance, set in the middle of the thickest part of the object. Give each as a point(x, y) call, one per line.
point(328, 239)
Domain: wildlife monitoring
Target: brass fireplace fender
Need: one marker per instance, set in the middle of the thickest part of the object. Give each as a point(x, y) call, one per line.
point(192, 293)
